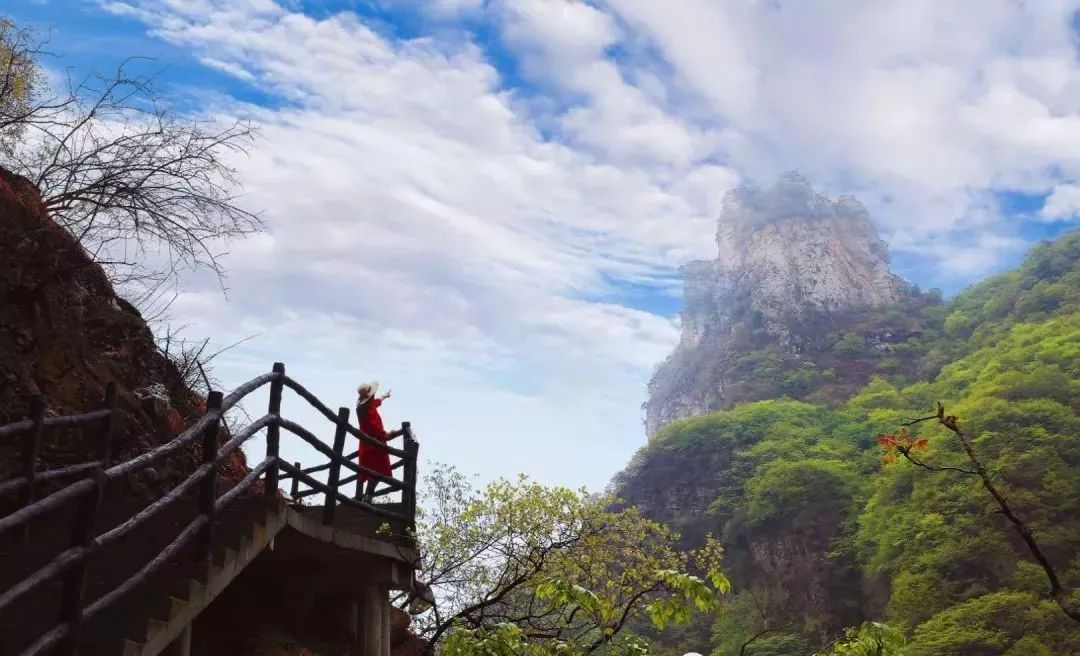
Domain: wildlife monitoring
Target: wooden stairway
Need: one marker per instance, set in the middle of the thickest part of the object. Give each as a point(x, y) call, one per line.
point(156, 616)
point(87, 569)
point(153, 614)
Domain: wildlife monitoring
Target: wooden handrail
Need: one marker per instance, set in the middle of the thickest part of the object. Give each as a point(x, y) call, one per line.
point(60, 421)
point(52, 570)
point(245, 483)
point(371, 508)
point(50, 475)
point(16, 428)
point(352, 430)
point(196, 429)
point(245, 435)
point(304, 434)
point(44, 505)
point(146, 513)
point(71, 563)
point(322, 487)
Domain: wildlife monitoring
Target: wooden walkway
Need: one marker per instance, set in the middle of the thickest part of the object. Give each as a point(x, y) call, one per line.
point(86, 570)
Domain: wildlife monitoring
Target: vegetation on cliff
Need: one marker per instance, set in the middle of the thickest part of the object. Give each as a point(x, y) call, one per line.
point(820, 533)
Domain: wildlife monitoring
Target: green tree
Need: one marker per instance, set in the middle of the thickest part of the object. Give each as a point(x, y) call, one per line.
point(907, 445)
point(518, 561)
point(21, 80)
point(850, 346)
point(870, 639)
point(1006, 622)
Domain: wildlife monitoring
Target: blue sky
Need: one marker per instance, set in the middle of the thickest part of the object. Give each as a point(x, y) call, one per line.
point(484, 203)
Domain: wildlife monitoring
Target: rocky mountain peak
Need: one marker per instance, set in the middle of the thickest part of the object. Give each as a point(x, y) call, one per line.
point(791, 266)
point(787, 249)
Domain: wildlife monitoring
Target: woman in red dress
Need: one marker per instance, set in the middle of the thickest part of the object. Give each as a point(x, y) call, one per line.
point(371, 457)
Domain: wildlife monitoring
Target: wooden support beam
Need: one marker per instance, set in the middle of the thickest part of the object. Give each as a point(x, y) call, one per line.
point(208, 487)
point(335, 466)
point(109, 426)
point(294, 491)
point(71, 596)
point(273, 431)
point(412, 454)
point(31, 446)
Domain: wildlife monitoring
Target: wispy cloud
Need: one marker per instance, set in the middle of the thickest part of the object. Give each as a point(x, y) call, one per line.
point(437, 218)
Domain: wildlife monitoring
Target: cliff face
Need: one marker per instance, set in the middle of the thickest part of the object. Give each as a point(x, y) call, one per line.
point(65, 334)
point(792, 269)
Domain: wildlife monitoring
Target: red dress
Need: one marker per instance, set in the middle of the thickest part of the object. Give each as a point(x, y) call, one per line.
point(371, 424)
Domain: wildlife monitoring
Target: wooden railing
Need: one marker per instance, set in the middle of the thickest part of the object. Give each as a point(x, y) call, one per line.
point(88, 491)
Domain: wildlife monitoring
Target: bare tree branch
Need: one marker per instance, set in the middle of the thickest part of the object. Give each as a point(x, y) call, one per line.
point(952, 423)
point(119, 169)
point(759, 634)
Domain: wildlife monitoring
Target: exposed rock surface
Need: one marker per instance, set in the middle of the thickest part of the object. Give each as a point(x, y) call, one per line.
point(403, 642)
point(65, 334)
point(793, 267)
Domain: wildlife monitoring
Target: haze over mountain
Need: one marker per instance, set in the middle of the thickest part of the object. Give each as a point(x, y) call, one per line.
point(793, 268)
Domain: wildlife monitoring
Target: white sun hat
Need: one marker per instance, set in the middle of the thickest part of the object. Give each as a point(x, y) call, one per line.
point(366, 390)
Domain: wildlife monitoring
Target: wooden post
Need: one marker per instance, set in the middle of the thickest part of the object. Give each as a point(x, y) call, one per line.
point(335, 466)
point(295, 489)
point(208, 488)
point(75, 579)
point(273, 432)
point(412, 453)
point(104, 447)
point(31, 447)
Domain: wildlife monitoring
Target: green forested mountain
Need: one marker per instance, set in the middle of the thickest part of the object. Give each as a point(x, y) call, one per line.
point(821, 534)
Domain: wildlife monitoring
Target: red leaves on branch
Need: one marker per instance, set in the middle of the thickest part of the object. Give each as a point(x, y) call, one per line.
point(902, 442)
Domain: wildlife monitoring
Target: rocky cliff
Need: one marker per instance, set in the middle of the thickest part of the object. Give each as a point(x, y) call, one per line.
point(66, 334)
point(794, 272)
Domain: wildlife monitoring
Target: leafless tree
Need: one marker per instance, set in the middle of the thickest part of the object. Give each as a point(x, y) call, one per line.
point(193, 360)
point(146, 190)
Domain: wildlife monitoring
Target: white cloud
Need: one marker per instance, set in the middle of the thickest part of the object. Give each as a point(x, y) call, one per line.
point(562, 32)
point(429, 224)
point(1062, 204)
point(926, 103)
point(420, 230)
point(456, 7)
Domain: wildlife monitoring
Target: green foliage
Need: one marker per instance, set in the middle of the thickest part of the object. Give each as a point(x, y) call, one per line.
point(688, 594)
point(851, 346)
point(1047, 284)
point(21, 79)
point(783, 375)
point(799, 492)
point(1005, 622)
point(685, 595)
point(811, 517)
point(518, 563)
point(927, 533)
point(870, 639)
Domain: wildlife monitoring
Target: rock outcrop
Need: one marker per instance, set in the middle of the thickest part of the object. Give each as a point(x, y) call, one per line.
point(65, 334)
point(792, 268)
point(403, 642)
